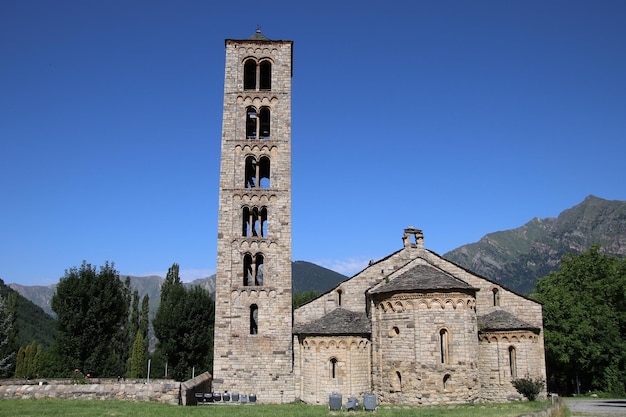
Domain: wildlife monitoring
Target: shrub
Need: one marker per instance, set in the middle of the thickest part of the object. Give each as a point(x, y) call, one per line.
point(528, 387)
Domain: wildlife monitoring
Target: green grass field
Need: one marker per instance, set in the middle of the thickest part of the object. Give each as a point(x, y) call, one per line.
point(67, 408)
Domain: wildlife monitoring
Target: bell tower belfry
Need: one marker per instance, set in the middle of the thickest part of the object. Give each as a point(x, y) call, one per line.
point(253, 313)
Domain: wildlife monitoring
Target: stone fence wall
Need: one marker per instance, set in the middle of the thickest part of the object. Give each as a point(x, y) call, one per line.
point(160, 391)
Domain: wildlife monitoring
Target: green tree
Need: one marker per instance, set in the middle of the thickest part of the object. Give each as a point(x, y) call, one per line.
point(28, 361)
point(138, 357)
point(144, 321)
point(144, 317)
point(183, 325)
point(7, 354)
point(92, 313)
point(584, 305)
point(301, 298)
point(133, 324)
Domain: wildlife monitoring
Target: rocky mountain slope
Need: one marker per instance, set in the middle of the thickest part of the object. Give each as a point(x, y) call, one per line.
point(518, 257)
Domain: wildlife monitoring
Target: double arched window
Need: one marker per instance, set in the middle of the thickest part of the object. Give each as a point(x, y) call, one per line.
point(252, 269)
point(257, 75)
point(254, 222)
point(258, 122)
point(257, 172)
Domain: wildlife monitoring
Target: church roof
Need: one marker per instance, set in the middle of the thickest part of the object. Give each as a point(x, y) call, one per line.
point(503, 320)
point(423, 278)
point(338, 322)
point(258, 36)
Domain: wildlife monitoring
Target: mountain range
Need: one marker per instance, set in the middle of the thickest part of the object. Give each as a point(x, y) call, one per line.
point(306, 276)
point(516, 258)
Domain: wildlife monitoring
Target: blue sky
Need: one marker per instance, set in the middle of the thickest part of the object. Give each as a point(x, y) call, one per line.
point(457, 117)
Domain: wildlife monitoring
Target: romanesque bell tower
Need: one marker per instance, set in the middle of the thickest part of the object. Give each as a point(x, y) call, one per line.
point(253, 315)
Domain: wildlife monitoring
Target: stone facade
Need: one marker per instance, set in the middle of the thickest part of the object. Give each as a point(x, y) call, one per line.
point(439, 334)
point(253, 345)
point(411, 328)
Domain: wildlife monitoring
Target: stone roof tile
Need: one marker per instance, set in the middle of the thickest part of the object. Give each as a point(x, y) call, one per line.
point(503, 320)
point(423, 278)
point(338, 322)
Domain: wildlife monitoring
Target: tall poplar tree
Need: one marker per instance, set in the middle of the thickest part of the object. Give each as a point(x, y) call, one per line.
point(183, 326)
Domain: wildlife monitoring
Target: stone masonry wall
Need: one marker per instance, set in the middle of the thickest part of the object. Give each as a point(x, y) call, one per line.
point(255, 361)
point(353, 290)
point(163, 392)
point(352, 369)
point(407, 358)
point(531, 359)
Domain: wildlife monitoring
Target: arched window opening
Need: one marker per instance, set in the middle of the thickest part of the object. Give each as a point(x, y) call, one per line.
point(333, 368)
point(265, 75)
point(446, 381)
point(397, 383)
point(249, 75)
point(264, 172)
point(254, 319)
point(248, 273)
point(264, 123)
point(251, 123)
point(496, 297)
point(444, 345)
point(262, 222)
point(252, 269)
point(395, 331)
point(250, 174)
point(513, 361)
point(257, 174)
point(246, 226)
point(339, 294)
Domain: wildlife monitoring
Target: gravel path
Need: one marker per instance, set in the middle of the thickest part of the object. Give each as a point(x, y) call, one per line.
point(595, 407)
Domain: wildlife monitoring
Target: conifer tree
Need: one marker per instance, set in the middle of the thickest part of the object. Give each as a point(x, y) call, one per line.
point(183, 326)
point(6, 334)
point(138, 357)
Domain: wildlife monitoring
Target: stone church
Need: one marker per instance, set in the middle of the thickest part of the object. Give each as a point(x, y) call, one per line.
point(410, 328)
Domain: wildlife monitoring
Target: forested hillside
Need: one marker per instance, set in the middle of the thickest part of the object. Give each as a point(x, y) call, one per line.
point(31, 323)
